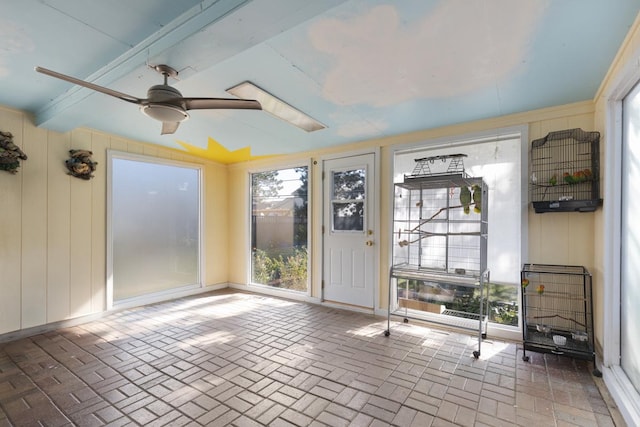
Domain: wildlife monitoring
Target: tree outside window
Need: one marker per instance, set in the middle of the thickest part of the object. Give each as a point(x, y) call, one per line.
point(279, 228)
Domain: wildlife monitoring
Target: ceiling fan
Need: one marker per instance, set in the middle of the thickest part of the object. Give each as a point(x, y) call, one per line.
point(163, 102)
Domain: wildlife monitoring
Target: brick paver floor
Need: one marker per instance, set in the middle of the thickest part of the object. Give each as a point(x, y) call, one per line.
point(234, 358)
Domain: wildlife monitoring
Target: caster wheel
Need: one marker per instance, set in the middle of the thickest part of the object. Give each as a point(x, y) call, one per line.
point(406, 320)
point(387, 333)
point(484, 336)
point(476, 354)
point(525, 358)
point(596, 373)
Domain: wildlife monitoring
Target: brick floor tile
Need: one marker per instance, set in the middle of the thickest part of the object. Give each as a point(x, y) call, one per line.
point(181, 396)
point(109, 414)
point(310, 405)
point(332, 420)
point(270, 389)
point(404, 416)
point(143, 416)
point(341, 411)
point(135, 402)
point(233, 358)
point(295, 418)
point(361, 420)
point(271, 414)
point(447, 411)
point(377, 412)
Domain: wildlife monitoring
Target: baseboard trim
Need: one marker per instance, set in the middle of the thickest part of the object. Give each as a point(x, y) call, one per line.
point(133, 302)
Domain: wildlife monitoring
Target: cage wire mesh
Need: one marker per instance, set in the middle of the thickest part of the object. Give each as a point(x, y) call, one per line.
point(440, 243)
point(565, 171)
point(557, 301)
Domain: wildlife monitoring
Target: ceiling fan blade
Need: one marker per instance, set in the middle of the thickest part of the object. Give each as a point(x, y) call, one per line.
point(169, 127)
point(106, 91)
point(220, 103)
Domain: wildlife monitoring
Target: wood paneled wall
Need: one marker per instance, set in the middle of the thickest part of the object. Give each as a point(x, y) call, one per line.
point(53, 226)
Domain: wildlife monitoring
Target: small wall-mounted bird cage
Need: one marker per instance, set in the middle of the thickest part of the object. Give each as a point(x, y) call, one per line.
point(565, 172)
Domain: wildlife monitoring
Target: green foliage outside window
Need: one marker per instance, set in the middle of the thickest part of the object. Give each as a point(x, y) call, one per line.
point(281, 271)
point(279, 231)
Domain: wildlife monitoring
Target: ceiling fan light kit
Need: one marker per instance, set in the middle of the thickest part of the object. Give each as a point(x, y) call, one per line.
point(163, 103)
point(164, 112)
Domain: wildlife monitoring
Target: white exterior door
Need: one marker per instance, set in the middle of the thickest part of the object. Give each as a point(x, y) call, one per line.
point(349, 238)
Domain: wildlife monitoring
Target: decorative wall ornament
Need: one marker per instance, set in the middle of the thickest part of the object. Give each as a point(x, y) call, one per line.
point(10, 153)
point(80, 164)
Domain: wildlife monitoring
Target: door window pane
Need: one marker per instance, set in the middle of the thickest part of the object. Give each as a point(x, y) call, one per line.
point(348, 216)
point(279, 255)
point(155, 226)
point(348, 200)
point(349, 185)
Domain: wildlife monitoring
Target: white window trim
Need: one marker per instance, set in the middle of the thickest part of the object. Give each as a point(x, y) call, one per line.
point(623, 392)
point(266, 289)
point(522, 131)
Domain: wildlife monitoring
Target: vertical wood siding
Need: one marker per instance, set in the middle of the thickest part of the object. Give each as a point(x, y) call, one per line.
point(53, 226)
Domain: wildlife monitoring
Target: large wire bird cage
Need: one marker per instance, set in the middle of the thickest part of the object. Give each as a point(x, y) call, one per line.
point(440, 228)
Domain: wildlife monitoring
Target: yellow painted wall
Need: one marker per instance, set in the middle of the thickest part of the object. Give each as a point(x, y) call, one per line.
point(52, 233)
point(53, 226)
point(555, 238)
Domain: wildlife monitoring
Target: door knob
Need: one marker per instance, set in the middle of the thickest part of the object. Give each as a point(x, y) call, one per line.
point(369, 243)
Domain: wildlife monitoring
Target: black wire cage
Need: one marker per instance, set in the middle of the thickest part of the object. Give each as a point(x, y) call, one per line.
point(557, 311)
point(565, 172)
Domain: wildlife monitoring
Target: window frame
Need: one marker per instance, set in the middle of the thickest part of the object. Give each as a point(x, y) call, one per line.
point(622, 390)
point(263, 288)
point(522, 132)
point(164, 294)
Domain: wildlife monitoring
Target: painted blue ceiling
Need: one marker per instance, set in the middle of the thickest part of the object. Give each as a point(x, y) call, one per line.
point(364, 68)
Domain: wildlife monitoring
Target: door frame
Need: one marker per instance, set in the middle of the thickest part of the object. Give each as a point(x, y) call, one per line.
point(616, 380)
point(319, 214)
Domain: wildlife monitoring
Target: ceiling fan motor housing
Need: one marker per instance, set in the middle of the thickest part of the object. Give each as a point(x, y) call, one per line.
point(161, 108)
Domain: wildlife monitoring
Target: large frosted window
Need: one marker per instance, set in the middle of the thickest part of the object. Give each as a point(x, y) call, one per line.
point(155, 227)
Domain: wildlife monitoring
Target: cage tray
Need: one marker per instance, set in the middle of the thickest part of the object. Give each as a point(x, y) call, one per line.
point(567, 206)
point(454, 318)
point(409, 271)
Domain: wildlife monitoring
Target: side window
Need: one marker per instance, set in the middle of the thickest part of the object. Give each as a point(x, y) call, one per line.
point(498, 162)
point(279, 228)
